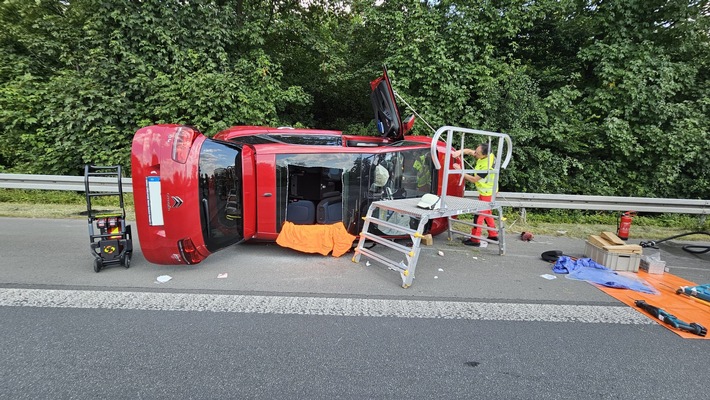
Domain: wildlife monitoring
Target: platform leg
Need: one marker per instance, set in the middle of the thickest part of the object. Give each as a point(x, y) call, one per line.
point(365, 227)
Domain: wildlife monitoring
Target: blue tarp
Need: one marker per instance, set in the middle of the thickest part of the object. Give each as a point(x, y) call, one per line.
point(586, 269)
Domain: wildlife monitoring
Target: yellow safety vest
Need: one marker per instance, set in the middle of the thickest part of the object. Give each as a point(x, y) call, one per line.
point(485, 185)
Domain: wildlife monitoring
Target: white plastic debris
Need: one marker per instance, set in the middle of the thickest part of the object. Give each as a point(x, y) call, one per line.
point(441, 253)
point(484, 244)
point(222, 275)
point(475, 258)
point(436, 277)
point(367, 263)
point(441, 269)
point(548, 277)
point(163, 278)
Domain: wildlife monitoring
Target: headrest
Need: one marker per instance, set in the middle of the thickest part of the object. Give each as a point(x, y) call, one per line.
point(430, 202)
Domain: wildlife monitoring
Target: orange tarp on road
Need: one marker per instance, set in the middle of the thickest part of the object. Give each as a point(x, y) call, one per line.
point(682, 307)
point(321, 239)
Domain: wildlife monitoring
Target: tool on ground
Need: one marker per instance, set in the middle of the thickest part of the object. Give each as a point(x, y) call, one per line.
point(551, 256)
point(623, 224)
point(690, 248)
point(670, 319)
point(701, 292)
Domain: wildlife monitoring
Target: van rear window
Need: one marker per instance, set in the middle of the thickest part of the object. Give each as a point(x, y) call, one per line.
point(220, 170)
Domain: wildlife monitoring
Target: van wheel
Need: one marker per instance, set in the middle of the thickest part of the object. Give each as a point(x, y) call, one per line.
point(126, 260)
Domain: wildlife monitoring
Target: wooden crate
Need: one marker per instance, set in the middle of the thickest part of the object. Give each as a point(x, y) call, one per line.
point(610, 251)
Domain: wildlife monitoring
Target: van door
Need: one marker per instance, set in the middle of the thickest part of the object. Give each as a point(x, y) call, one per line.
point(226, 187)
point(387, 117)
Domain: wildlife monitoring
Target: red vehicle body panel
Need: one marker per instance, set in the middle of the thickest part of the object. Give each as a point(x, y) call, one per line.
point(194, 195)
point(150, 146)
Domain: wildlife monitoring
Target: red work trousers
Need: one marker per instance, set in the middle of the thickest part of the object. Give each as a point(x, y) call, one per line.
point(484, 217)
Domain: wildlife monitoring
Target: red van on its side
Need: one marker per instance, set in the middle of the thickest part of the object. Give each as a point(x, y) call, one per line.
point(195, 195)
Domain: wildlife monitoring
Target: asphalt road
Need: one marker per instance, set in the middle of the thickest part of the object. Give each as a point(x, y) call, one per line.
point(281, 324)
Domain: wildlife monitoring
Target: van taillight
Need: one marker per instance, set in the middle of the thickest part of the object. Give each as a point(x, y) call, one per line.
point(188, 251)
point(182, 142)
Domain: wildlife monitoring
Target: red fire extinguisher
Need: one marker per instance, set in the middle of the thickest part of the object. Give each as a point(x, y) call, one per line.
point(623, 224)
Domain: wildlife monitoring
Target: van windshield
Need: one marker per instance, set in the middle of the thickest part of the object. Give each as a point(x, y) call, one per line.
point(220, 171)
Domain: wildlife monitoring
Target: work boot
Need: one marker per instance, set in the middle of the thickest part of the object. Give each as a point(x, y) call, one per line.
point(471, 242)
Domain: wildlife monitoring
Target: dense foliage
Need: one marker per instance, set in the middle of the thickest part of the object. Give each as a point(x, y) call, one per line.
point(600, 97)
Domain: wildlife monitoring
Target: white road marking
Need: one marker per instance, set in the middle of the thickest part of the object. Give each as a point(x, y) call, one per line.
point(351, 307)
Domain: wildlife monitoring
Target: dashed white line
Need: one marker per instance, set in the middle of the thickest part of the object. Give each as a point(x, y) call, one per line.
point(352, 307)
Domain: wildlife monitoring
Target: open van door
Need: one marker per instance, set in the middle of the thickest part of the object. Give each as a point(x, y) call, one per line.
point(387, 118)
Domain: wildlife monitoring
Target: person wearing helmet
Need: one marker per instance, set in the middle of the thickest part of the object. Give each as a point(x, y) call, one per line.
point(484, 185)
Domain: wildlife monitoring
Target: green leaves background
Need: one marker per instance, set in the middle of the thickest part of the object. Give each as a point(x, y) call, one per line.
point(600, 97)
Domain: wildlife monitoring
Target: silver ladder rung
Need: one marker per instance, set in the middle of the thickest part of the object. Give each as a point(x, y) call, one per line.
point(452, 230)
point(381, 259)
point(390, 225)
point(392, 245)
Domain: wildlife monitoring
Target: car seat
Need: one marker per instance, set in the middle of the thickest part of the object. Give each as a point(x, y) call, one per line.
point(330, 209)
point(301, 212)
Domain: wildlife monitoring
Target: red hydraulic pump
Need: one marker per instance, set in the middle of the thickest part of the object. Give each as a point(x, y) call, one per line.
point(623, 224)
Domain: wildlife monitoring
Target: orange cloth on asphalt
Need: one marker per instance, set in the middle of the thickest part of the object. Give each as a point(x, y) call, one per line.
point(682, 307)
point(321, 239)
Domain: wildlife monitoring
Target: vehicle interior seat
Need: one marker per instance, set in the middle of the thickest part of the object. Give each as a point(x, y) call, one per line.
point(301, 212)
point(330, 209)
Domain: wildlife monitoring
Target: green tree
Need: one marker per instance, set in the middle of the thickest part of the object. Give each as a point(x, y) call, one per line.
point(625, 86)
point(599, 97)
point(108, 68)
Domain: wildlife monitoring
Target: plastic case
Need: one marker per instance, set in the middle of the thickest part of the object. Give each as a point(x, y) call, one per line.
point(652, 266)
point(613, 261)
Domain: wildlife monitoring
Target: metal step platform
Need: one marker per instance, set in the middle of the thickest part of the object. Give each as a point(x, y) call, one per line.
point(450, 207)
point(407, 266)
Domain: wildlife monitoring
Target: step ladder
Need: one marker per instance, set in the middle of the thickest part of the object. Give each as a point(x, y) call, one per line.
point(449, 207)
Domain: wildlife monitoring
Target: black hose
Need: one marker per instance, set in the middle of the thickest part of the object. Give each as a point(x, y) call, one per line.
point(690, 248)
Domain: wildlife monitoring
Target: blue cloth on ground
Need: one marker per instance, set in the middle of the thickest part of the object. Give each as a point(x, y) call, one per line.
point(586, 269)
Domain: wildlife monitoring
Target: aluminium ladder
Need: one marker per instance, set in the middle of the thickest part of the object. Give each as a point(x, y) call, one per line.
point(449, 207)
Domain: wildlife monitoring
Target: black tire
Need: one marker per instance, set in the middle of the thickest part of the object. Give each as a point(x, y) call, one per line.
point(98, 264)
point(126, 262)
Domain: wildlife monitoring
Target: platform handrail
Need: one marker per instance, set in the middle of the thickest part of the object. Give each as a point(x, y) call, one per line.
point(437, 135)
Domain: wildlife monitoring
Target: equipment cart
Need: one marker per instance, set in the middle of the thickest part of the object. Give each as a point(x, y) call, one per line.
point(112, 245)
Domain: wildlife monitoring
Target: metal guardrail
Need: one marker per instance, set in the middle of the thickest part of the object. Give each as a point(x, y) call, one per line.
point(602, 203)
point(506, 199)
point(61, 182)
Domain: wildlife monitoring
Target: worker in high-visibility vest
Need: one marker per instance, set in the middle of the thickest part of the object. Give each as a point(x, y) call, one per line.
point(484, 185)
